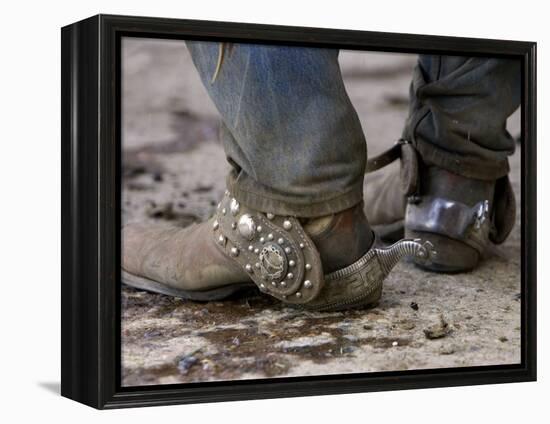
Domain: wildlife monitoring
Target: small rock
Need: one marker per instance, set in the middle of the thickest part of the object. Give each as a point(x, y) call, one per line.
point(503, 339)
point(186, 363)
point(347, 349)
point(202, 188)
point(157, 177)
point(447, 349)
point(395, 344)
point(165, 211)
point(407, 325)
point(436, 331)
point(152, 334)
point(414, 306)
point(236, 341)
point(137, 186)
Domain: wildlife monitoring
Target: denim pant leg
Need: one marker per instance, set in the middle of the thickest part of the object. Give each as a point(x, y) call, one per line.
point(458, 112)
point(289, 129)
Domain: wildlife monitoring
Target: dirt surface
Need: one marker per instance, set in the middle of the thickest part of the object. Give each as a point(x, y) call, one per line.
point(174, 171)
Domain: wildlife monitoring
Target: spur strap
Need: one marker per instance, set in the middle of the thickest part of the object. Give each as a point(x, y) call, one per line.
point(274, 250)
point(405, 151)
point(384, 159)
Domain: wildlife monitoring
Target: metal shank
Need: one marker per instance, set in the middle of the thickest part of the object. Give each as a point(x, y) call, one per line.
point(361, 282)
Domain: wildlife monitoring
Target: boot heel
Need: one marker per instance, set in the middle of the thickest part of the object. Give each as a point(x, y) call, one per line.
point(452, 256)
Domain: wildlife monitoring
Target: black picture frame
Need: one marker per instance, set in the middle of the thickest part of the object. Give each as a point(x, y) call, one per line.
point(91, 151)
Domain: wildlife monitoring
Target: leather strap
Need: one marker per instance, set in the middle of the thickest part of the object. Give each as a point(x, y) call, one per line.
point(384, 159)
point(405, 151)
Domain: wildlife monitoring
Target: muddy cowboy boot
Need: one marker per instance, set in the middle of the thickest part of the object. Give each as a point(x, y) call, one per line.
point(327, 263)
point(459, 216)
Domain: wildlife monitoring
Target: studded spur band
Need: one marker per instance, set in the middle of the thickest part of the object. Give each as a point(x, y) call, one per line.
point(276, 252)
point(282, 260)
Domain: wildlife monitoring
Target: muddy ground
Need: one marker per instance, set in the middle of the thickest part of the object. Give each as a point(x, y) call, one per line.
point(174, 171)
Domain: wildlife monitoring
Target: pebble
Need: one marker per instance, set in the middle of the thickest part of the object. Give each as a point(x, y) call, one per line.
point(347, 349)
point(447, 349)
point(407, 325)
point(186, 363)
point(437, 331)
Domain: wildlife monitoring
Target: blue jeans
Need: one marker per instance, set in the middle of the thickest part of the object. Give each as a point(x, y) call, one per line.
point(295, 142)
point(458, 111)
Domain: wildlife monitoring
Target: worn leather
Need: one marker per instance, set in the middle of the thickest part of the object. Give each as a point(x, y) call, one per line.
point(409, 165)
point(182, 258)
point(349, 229)
point(385, 200)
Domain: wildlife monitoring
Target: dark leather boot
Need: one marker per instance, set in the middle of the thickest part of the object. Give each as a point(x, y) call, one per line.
point(458, 215)
point(327, 263)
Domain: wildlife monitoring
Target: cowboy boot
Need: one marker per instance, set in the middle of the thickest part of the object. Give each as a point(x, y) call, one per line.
point(327, 263)
point(460, 216)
